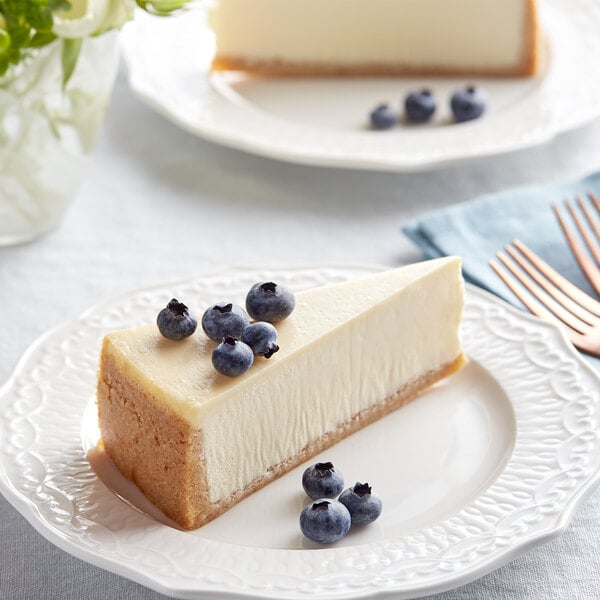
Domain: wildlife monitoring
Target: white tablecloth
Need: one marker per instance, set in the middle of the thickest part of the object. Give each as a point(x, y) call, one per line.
point(160, 205)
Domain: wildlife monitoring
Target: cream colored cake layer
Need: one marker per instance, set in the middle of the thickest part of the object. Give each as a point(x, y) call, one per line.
point(496, 36)
point(344, 348)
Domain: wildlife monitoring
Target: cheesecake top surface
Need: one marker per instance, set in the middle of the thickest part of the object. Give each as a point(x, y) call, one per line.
point(181, 373)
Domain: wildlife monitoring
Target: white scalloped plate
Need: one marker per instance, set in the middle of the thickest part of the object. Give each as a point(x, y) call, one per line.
point(323, 121)
point(478, 470)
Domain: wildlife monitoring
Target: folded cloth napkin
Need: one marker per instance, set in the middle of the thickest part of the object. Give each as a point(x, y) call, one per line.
point(477, 229)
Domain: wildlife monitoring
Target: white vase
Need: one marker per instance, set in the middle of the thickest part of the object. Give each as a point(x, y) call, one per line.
point(47, 132)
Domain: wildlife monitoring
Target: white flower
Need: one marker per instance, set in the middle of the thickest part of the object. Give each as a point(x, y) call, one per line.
point(92, 17)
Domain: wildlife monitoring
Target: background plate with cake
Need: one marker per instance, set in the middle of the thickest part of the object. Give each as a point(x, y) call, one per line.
point(532, 75)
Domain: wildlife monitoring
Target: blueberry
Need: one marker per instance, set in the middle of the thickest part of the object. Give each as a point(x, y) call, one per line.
point(232, 357)
point(268, 301)
point(467, 104)
point(383, 117)
point(322, 481)
point(223, 319)
point(364, 507)
point(419, 106)
point(262, 338)
point(175, 321)
point(325, 521)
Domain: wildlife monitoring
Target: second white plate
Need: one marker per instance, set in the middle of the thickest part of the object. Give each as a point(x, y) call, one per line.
point(479, 469)
point(323, 121)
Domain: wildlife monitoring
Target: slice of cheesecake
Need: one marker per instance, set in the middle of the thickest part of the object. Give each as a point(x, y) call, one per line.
point(196, 442)
point(376, 37)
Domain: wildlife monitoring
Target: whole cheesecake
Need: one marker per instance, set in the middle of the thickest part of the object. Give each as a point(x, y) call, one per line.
point(377, 37)
point(196, 442)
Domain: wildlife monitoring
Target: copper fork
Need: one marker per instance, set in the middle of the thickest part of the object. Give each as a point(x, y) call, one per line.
point(549, 295)
point(587, 264)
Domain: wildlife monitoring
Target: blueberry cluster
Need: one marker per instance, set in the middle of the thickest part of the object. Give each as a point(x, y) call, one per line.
point(327, 520)
point(229, 324)
point(466, 103)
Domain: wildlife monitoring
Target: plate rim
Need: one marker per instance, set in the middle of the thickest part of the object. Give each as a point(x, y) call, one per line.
point(264, 146)
point(33, 516)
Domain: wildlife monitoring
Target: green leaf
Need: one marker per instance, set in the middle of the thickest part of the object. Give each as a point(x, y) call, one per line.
point(4, 63)
point(40, 18)
point(4, 41)
point(70, 54)
point(41, 39)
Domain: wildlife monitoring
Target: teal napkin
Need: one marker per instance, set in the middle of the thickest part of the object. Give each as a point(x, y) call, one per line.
point(477, 229)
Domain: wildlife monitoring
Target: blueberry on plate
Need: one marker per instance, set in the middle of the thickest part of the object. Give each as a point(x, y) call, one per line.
point(325, 521)
point(223, 319)
point(269, 301)
point(262, 338)
point(383, 117)
point(175, 322)
point(322, 480)
point(232, 357)
point(467, 104)
point(419, 106)
point(364, 507)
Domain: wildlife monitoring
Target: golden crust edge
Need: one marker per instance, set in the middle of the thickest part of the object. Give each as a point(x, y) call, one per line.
point(534, 49)
point(194, 508)
point(528, 67)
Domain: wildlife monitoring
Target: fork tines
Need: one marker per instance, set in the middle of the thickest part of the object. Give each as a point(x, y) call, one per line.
point(590, 235)
point(548, 294)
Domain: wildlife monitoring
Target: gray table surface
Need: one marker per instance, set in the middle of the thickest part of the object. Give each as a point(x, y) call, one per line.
point(159, 204)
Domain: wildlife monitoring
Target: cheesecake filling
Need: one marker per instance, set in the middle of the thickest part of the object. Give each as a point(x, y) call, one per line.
point(329, 383)
point(423, 34)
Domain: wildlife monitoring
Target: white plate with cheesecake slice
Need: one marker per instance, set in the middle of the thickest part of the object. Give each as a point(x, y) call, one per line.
point(321, 121)
point(479, 469)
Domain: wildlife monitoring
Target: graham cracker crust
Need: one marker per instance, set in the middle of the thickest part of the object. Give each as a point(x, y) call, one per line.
point(278, 68)
point(163, 454)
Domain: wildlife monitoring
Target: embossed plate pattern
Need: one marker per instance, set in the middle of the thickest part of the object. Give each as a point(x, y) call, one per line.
point(323, 122)
point(44, 471)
